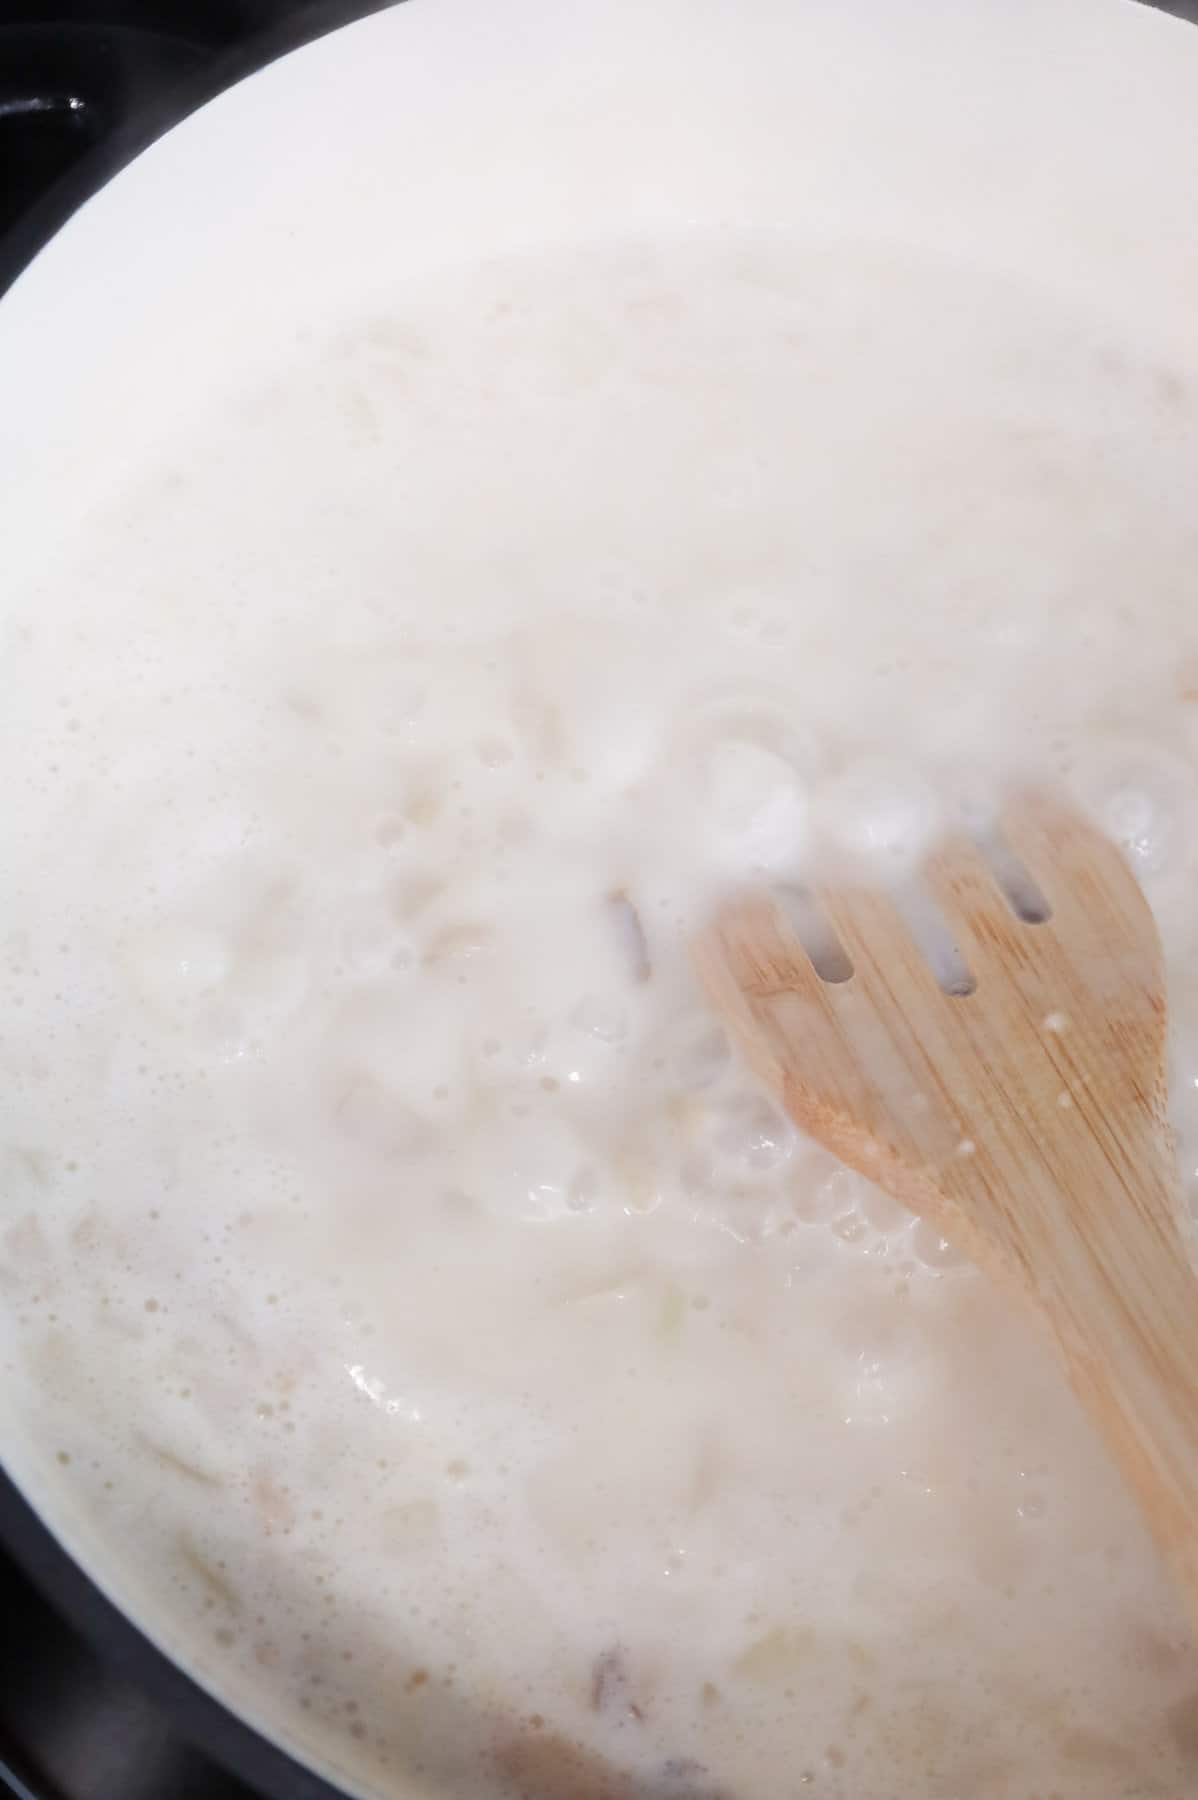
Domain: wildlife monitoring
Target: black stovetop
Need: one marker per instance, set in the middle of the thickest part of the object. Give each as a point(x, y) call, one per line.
point(72, 1728)
point(84, 84)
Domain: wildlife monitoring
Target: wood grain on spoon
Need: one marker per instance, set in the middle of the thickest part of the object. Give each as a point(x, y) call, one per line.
point(1026, 1118)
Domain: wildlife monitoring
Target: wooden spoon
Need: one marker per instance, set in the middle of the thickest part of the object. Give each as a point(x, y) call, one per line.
point(1026, 1118)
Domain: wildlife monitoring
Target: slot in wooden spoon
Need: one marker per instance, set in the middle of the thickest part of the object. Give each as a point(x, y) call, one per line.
point(1026, 1118)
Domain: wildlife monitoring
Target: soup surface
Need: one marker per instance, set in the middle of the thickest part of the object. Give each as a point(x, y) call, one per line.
point(409, 1309)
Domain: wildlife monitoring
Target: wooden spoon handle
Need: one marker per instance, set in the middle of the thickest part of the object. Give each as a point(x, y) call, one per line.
point(1122, 1305)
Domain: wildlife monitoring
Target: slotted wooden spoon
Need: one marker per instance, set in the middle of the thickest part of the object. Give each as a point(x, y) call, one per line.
point(1026, 1118)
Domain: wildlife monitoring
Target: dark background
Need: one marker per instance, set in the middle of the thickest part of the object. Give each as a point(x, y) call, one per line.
point(84, 84)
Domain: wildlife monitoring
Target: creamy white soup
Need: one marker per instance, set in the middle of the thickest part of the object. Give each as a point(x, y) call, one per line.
point(410, 1310)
